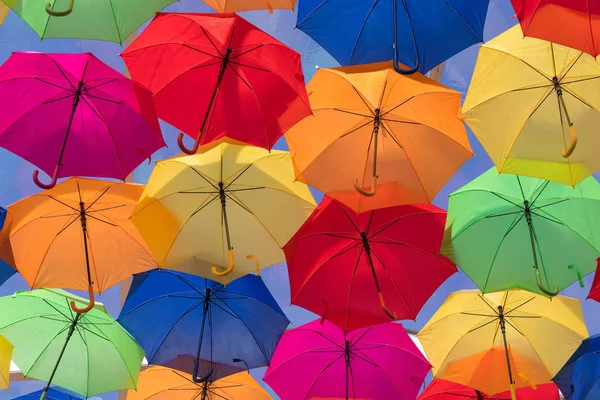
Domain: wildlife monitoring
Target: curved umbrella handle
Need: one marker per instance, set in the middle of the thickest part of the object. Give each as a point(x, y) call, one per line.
point(567, 153)
point(363, 191)
point(404, 71)
point(64, 13)
point(229, 270)
point(391, 315)
point(89, 306)
point(548, 292)
point(395, 46)
point(204, 378)
point(182, 147)
point(36, 179)
point(253, 257)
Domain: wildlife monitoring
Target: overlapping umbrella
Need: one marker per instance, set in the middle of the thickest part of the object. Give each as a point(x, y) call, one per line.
point(579, 378)
point(231, 6)
point(440, 389)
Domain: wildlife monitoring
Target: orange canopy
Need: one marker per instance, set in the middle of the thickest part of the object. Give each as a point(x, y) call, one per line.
point(231, 6)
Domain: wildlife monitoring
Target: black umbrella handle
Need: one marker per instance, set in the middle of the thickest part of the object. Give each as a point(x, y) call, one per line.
point(395, 46)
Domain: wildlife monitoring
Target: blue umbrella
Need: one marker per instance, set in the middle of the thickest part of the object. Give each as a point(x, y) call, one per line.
point(52, 394)
point(425, 32)
point(579, 378)
point(6, 271)
point(201, 327)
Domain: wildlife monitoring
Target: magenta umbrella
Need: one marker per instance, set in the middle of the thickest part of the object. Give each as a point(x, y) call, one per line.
point(317, 360)
point(72, 115)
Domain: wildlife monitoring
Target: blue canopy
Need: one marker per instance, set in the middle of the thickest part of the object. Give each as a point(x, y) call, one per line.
point(53, 394)
point(361, 32)
point(176, 316)
point(579, 378)
point(6, 271)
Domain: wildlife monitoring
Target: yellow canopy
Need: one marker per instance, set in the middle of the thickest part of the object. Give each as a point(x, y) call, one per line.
point(4, 9)
point(228, 206)
point(465, 344)
point(533, 105)
point(6, 349)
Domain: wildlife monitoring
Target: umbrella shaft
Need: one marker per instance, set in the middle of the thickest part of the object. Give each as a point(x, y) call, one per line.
point(531, 234)
point(62, 352)
point(561, 100)
point(223, 198)
point(347, 362)
point(83, 219)
point(367, 248)
point(204, 315)
point(503, 329)
point(73, 110)
point(216, 89)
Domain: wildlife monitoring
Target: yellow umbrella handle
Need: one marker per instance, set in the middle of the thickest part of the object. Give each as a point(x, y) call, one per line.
point(362, 191)
point(229, 270)
point(513, 394)
point(89, 306)
point(548, 292)
point(64, 13)
point(253, 257)
point(567, 153)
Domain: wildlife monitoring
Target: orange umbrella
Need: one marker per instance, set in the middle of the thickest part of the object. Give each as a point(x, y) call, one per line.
point(232, 6)
point(160, 383)
point(394, 138)
point(77, 235)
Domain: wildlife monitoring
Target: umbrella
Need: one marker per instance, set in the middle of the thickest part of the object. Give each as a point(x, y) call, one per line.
point(530, 102)
point(579, 378)
point(569, 23)
point(320, 361)
point(222, 77)
point(110, 21)
point(595, 290)
point(159, 383)
point(422, 35)
point(440, 389)
point(472, 337)
point(86, 353)
point(225, 200)
point(374, 128)
point(499, 226)
point(3, 12)
point(71, 114)
point(344, 266)
point(231, 6)
point(6, 271)
point(51, 394)
point(83, 238)
point(199, 326)
point(6, 349)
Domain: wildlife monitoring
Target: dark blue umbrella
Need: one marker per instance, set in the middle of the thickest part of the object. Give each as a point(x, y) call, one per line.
point(579, 378)
point(6, 271)
point(426, 32)
point(180, 319)
point(52, 394)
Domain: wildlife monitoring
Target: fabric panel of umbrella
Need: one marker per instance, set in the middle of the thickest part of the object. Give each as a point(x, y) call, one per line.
point(440, 389)
point(579, 378)
point(51, 394)
point(231, 6)
point(6, 349)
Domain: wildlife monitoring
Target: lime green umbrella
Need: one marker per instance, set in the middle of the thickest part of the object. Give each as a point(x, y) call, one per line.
point(87, 353)
point(510, 231)
point(108, 20)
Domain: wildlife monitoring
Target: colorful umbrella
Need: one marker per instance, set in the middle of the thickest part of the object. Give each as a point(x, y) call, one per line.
point(231, 6)
point(197, 211)
point(526, 97)
point(51, 394)
point(320, 361)
point(6, 270)
point(202, 327)
point(595, 290)
point(222, 77)
point(579, 378)
point(500, 226)
point(499, 341)
point(6, 349)
point(111, 20)
point(4, 10)
point(71, 114)
point(422, 35)
point(374, 128)
point(343, 265)
point(159, 383)
point(84, 238)
point(86, 353)
point(440, 389)
point(570, 23)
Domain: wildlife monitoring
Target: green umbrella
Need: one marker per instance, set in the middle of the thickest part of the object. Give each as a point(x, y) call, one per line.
point(108, 20)
point(87, 353)
point(509, 231)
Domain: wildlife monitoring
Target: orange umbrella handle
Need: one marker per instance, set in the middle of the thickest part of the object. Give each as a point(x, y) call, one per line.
point(391, 315)
point(548, 292)
point(64, 13)
point(229, 270)
point(362, 191)
point(253, 257)
point(89, 306)
point(42, 185)
point(191, 151)
point(567, 153)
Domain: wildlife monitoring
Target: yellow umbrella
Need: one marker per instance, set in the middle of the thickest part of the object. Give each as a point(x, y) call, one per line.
point(231, 6)
point(160, 383)
point(6, 349)
point(470, 339)
point(201, 210)
point(4, 9)
point(530, 102)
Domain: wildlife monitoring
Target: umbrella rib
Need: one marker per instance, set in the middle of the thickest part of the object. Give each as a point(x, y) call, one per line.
point(106, 208)
point(545, 185)
point(357, 128)
point(564, 75)
point(349, 218)
point(64, 74)
point(329, 364)
point(101, 220)
point(242, 172)
point(396, 106)
point(249, 66)
point(563, 84)
point(521, 188)
point(339, 236)
point(363, 100)
point(211, 42)
point(552, 204)
point(488, 304)
point(53, 100)
point(362, 28)
point(351, 288)
point(546, 218)
point(37, 78)
point(64, 204)
point(240, 77)
point(112, 80)
point(67, 225)
point(185, 281)
point(360, 337)
point(507, 200)
point(480, 37)
point(68, 317)
point(206, 204)
point(368, 360)
point(414, 317)
point(146, 302)
point(205, 178)
point(504, 214)
point(353, 113)
point(234, 56)
point(484, 325)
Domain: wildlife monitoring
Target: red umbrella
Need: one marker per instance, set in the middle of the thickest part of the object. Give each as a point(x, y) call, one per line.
point(342, 265)
point(217, 75)
point(440, 389)
point(572, 23)
point(595, 290)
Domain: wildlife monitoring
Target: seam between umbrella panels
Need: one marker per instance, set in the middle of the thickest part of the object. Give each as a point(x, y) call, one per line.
point(294, 357)
point(397, 348)
point(369, 360)
point(362, 28)
point(247, 297)
point(311, 13)
point(64, 329)
point(480, 37)
point(535, 9)
point(114, 18)
point(328, 365)
point(351, 287)
point(535, 350)
point(157, 298)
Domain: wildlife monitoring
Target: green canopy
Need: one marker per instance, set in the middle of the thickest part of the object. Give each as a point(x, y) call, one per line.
point(509, 231)
point(89, 353)
point(108, 20)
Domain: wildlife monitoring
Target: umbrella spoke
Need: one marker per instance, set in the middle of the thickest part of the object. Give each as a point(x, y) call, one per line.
point(203, 206)
point(206, 179)
point(70, 95)
point(242, 172)
point(514, 327)
point(67, 225)
point(397, 106)
point(59, 215)
point(64, 204)
point(484, 325)
point(93, 108)
point(360, 96)
point(236, 55)
point(340, 236)
point(105, 209)
point(547, 218)
point(488, 304)
point(504, 214)
point(71, 89)
point(247, 189)
point(507, 200)
point(353, 113)
point(357, 128)
point(86, 87)
point(544, 186)
point(102, 98)
point(102, 193)
point(101, 220)
point(240, 76)
point(550, 204)
point(238, 64)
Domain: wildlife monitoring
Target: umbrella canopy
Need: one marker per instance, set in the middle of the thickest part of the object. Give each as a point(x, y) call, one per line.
point(52, 394)
point(159, 383)
point(231, 6)
point(202, 327)
point(595, 289)
point(6, 349)
point(530, 102)
point(71, 114)
point(84, 238)
point(373, 130)
point(320, 361)
point(423, 33)
point(342, 265)
point(199, 211)
point(440, 389)
point(470, 339)
point(222, 77)
point(6, 270)
point(570, 23)
point(510, 231)
point(579, 378)
point(111, 21)
point(86, 353)
point(4, 10)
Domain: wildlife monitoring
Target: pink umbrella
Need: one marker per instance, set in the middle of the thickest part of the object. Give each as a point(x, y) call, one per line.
point(71, 114)
point(319, 361)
